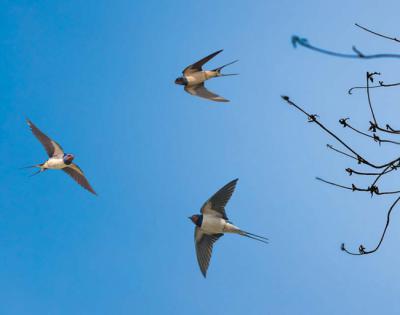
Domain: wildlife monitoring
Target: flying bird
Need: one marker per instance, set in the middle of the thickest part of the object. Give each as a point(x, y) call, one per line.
point(58, 159)
point(212, 223)
point(194, 77)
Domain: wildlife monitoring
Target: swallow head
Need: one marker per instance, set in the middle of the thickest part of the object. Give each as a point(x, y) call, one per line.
point(68, 158)
point(181, 81)
point(195, 219)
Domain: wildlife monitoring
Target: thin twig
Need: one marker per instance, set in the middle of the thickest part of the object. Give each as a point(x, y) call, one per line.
point(381, 174)
point(373, 189)
point(313, 118)
point(341, 152)
point(370, 76)
point(374, 126)
point(361, 248)
point(296, 40)
point(375, 137)
point(377, 34)
point(336, 185)
point(351, 172)
point(381, 84)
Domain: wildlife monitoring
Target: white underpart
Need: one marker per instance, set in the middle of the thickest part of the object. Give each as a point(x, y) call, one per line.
point(200, 77)
point(214, 225)
point(54, 163)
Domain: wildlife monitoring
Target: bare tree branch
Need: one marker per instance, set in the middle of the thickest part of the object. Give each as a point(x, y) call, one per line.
point(381, 84)
point(377, 34)
point(375, 137)
point(360, 159)
point(343, 153)
point(296, 40)
point(361, 248)
point(374, 128)
point(373, 189)
point(351, 171)
point(370, 77)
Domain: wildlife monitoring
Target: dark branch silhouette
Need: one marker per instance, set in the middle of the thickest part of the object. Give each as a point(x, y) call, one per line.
point(377, 34)
point(358, 157)
point(296, 40)
point(373, 188)
point(341, 152)
point(361, 248)
point(351, 171)
point(375, 127)
point(381, 85)
point(374, 136)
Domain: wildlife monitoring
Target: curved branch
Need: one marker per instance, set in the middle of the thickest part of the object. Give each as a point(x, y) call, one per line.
point(361, 248)
point(381, 84)
point(296, 40)
point(390, 130)
point(374, 125)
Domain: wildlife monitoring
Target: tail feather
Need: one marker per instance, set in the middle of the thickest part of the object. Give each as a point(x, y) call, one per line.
point(227, 74)
point(38, 172)
point(218, 70)
point(254, 237)
point(31, 166)
point(40, 166)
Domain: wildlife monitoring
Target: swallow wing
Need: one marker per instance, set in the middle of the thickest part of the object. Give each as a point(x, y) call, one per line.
point(76, 173)
point(201, 91)
point(197, 66)
point(216, 204)
point(204, 246)
point(52, 148)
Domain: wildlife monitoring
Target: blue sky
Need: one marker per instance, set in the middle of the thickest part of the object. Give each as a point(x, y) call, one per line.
point(97, 76)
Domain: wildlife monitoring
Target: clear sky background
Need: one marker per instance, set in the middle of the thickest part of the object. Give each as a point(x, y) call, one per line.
point(98, 77)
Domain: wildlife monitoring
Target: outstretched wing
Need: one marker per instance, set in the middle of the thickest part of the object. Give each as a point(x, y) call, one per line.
point(76, 173)
point(52, 148)
point(216, 204)
point(204, 246)
point(201, 91)
point(197, 66)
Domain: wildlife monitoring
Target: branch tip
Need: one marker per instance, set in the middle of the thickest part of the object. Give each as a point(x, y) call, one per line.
point(285, 98)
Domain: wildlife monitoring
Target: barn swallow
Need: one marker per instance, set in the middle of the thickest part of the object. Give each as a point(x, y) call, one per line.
point(194, 77)
point(58, 159)
point(212, 223)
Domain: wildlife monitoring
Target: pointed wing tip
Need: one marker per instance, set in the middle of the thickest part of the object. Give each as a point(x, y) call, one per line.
point(89, 189)
point(78, 176)
point(221, 100)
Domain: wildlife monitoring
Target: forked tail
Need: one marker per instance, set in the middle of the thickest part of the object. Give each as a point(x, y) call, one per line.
point(218, 70)
point(40, 166)
point(254, 236)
